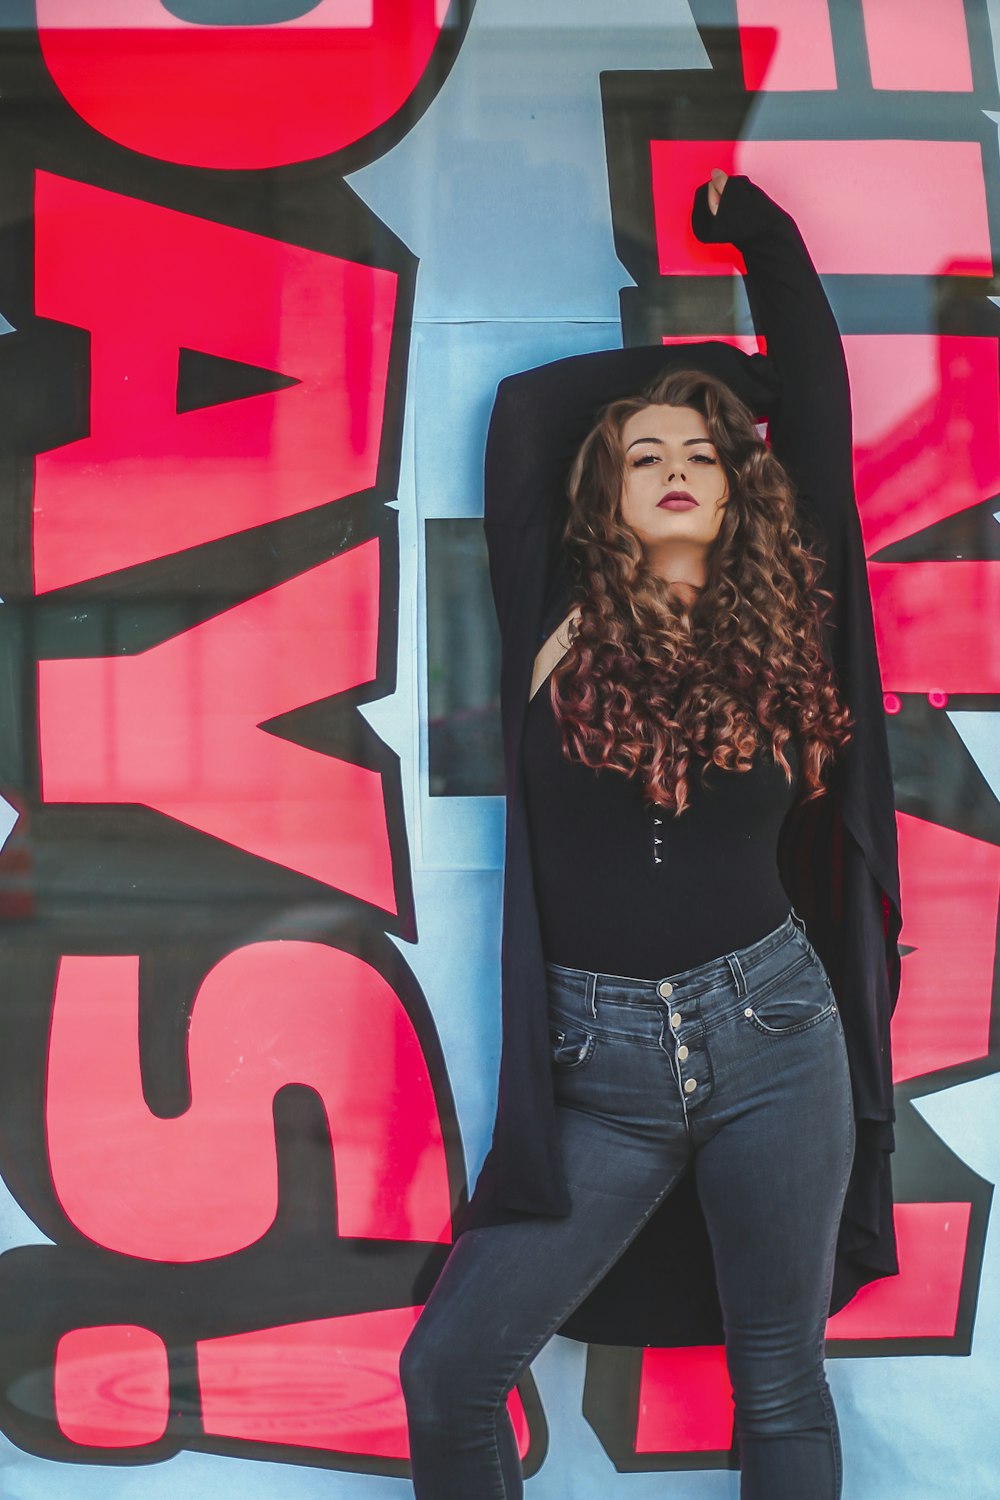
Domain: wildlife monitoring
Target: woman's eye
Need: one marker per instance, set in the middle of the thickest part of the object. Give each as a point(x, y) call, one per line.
point(644, 459)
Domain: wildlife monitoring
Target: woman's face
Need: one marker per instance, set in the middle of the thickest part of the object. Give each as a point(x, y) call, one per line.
point(668, 452)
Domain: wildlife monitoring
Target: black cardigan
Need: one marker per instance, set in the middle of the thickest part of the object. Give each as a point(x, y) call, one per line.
point(837, 856)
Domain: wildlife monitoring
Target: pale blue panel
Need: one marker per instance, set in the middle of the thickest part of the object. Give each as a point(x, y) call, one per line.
point(501, 188)
point(8, 816)
point(981, 733)
point(189, 1476)
point(454, 373)
point(16, 1228)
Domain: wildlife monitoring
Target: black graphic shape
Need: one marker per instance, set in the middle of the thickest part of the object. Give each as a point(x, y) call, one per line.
point(971, 533)
point(238, 12)
point(209, 380)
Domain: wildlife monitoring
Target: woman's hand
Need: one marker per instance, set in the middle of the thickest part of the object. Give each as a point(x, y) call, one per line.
point(715, 188)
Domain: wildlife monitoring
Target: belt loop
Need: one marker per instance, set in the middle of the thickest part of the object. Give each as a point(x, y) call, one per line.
point(592, 995)
point(739, 978)
point(797, 920)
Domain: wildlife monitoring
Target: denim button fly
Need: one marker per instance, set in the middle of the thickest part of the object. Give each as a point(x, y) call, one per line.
point(711, 1003)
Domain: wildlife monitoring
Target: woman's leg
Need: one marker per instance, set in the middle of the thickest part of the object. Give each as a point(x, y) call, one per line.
point(506, 1289)
point(772, 1181)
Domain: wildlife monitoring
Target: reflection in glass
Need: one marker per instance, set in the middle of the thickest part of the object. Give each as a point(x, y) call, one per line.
point(463, 664)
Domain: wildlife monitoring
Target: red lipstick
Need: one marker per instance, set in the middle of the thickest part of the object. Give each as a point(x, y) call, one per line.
point(676, 500)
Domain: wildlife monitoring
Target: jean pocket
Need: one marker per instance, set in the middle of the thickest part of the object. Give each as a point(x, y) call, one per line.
point(799, 1007)
point(571, 1047)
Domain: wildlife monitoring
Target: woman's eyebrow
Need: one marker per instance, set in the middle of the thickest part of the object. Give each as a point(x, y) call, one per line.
point(688, 442)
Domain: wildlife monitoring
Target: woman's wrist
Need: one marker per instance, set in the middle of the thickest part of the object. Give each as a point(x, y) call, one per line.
point(744, 212)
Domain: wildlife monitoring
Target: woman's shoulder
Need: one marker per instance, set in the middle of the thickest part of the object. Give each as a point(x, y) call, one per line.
point(554, 648)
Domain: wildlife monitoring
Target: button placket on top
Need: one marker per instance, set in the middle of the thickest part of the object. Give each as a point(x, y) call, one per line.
point(657, 839)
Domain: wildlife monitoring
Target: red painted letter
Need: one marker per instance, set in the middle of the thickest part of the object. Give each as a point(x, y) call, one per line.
point(237, 96)
point(332, 1384)
point(146, 282)
point(178, 728)
point(206, 1184)
point(111, 1386)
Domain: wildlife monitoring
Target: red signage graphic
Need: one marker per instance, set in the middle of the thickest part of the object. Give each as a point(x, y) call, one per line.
point(234, 96)
point(147, 282)
point(224, 1099)
point(222, 1096)
point(182, 728)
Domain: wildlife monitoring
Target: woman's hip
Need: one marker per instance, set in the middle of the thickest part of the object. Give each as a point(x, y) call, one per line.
point(760, 1018)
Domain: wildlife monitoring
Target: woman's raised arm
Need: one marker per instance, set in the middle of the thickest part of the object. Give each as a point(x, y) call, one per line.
point(810, 424)
point(540, 417)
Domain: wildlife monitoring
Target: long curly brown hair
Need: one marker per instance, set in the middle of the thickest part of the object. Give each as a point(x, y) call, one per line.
point(642, 692)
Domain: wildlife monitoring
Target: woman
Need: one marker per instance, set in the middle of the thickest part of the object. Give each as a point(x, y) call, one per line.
point(697, 778)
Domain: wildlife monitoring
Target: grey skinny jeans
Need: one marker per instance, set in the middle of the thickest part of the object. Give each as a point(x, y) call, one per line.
point(736, 1068)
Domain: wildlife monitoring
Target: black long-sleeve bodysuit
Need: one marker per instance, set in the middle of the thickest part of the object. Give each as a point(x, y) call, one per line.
point(624, 887)
point(837, 855)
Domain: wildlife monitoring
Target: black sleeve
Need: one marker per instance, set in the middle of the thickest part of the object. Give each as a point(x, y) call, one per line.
point(541, 416)
point(810, 425)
